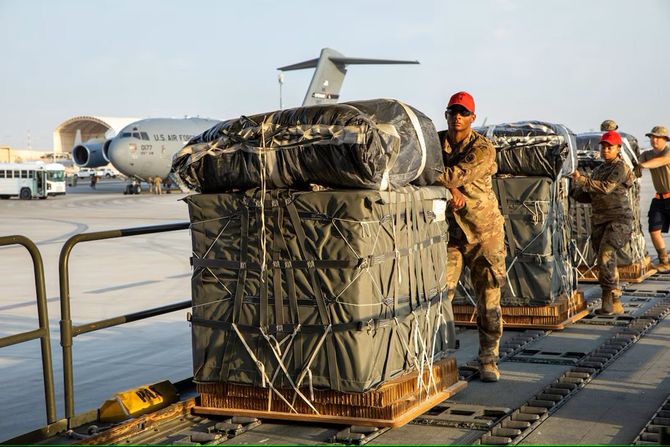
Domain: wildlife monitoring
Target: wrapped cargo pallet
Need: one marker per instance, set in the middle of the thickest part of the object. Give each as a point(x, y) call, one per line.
point(634, 263)
point(321, 302)
point(377, 144)
point(532, 191)
point(533, 148)
point(537, 237)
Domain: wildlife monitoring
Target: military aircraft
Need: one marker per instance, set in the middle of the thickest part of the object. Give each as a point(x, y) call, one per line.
point(145, 148)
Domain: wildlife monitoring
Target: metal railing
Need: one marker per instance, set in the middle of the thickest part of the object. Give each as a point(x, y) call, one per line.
point(43, 318)
point(68, 331)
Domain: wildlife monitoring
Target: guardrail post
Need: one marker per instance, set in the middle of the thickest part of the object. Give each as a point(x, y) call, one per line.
point(43, 319)
point(66, 325)
point(67, 330)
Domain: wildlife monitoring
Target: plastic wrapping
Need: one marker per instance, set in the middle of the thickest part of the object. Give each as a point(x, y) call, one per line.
point(533, 148)
point(377, 144)
point(354, 279)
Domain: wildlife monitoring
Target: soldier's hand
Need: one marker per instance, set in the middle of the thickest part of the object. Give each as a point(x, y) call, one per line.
point(457, 199)
point(637, 170)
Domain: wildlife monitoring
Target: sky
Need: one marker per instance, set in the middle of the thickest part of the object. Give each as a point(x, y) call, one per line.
point(575, 62)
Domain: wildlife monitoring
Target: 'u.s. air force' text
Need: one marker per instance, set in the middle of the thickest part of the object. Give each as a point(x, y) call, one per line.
point(171, 137)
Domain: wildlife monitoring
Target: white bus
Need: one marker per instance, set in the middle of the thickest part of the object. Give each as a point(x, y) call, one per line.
point(23, 180)
point(55, 179)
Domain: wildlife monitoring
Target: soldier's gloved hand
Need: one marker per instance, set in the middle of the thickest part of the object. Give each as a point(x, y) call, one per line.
point(457, 199)
point(637, 170)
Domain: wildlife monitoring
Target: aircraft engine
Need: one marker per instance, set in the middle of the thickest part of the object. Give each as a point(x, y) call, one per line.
point(90, 154)
point(105, 149)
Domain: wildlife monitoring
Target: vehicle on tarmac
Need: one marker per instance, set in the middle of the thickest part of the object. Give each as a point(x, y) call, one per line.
point(23, 180)
point(87, 172)
point(106, 172)
point(55, 173)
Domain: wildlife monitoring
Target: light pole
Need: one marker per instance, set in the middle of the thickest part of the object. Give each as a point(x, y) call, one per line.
point(280, 79)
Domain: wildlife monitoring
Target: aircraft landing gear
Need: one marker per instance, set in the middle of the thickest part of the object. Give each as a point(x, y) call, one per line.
point(133, 188)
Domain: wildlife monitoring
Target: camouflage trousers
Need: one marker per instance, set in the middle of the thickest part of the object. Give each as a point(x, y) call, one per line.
point(486, 262)
point(607, 239)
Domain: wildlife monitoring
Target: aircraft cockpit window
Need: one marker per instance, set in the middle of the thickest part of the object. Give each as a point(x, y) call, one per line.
point(136, 135)
point(145, 136)
point(125, 135)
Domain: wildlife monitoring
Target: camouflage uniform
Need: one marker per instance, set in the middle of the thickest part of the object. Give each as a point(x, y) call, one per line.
point(476, 236)
point(611, 216)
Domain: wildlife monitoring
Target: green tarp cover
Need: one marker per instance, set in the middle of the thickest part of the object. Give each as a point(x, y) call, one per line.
point(537, 236)
point(340, 288)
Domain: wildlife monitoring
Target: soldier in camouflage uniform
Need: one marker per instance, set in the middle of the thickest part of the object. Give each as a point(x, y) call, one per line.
point(476, 236)
point(611, 215)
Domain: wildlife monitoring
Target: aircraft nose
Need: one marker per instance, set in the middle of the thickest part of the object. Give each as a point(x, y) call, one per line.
point(118, 153)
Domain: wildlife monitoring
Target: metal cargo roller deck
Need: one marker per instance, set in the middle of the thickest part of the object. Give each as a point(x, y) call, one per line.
point(600, 380)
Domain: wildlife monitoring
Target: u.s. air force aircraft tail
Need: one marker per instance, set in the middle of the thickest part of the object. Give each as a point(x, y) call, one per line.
point(145, 148)
point(331, 68)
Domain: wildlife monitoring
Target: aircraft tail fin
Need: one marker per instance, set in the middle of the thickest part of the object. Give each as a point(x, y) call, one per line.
point(330, 72)
point(300, 65)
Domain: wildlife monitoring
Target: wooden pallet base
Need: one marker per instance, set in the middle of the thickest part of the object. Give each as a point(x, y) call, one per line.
point(389, 402)
point(565, 311)
point(400, 420)
point(633, 273)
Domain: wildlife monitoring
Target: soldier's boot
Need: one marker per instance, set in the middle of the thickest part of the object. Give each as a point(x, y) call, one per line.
point(663, 265)
point(488, 372)
point(617, 308)
point(607, 304)
point(611, 303)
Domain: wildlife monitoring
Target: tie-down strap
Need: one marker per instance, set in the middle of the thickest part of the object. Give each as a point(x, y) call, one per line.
point(363, 262)
point(358, 326)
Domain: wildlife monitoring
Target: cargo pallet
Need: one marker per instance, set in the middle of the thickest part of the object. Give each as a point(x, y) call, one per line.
point(392, 404)
point(566, 310)
point(633, 273)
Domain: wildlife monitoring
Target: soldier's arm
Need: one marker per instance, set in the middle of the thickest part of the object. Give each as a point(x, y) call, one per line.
point(605, 186)
point(656, 162)
point(477, 164)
